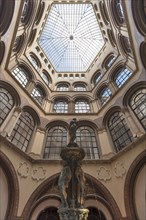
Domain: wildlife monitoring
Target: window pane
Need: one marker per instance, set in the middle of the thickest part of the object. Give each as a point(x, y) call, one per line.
point(60, 106)
point(38, 95)
point(122, 76)
point(6, 104)
point(138, 105)
point(85, 138)
point(22, 131)
point(120, 132)
point(82, 107)
point(56, 139)
point(105, 95)
point(21, 75)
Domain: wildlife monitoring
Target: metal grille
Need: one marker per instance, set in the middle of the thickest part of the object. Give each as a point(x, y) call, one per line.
point(138, 105)
point(71, 37)
point(23, 130)
point(82, 106)
point(120, 132)
point(122, 76)
point(85, 138)
point(56, 139)
point(6, 104)
point(21, 76)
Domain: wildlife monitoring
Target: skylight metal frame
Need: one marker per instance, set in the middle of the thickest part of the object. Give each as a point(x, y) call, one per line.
point(92, 38)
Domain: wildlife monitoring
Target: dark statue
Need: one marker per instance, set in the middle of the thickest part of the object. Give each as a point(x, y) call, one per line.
point(72, 132)
point(63, 184)
point(79, 174)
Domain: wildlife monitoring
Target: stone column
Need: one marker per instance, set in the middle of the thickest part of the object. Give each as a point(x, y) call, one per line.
point(12, 122)
point(131, 124)
point(112, 87)
point(106, 146)
point(36, 148)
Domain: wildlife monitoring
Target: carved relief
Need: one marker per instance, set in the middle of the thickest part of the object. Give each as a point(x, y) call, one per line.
point(103, 174)
point(23, 170)
point(119, 170)
point(39, 174)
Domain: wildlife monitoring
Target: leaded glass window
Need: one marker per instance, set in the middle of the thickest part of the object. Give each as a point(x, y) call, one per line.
point(110, 61)
point(33, 62)
point(80, 87)
point(122, 76)
point(45, 78)
point(105, 95)
point(6, 104)
point(138, 105)
point(60, 106)
point(82, 106)
point(97, 78)
point(23, 130)
point(21, 75)
point(119, 130)
point(56, 139)
point(38, 94)
point(86, 138)
point(120, 12)
point(62, 87)
point(25, 10)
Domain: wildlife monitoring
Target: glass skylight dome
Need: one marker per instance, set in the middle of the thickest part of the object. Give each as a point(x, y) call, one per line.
point(71, 38)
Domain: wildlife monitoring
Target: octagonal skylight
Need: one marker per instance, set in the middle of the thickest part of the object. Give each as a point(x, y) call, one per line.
point(71, 38)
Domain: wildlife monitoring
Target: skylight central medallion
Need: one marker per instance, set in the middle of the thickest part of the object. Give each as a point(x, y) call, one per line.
point(71, 38)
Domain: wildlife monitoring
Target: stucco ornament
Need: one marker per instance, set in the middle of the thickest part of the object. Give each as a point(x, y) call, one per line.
point(103, 174)
point(23, 169)
point(39, 174)
point(119, 170)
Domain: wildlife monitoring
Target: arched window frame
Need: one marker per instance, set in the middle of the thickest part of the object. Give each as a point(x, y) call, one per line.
point(137, 103)
point(38, 94)
point(23, 131)
point(7, 103)
point(109, 61)
point(104, 95)
point(21, 75)
point(62, 87)
point(45, 78)
point(119, 131)
point(86, 138)
point(97, 78)
point(34, 61)
point(56, 139)
point(121, 76)
point(82, 106)
point(79, 87)
point(60, 106)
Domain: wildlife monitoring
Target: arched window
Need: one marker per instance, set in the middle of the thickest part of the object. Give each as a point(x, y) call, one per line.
point(119, 10)
point(122, 76)
point(82, 106)
point(6, 104)
point(62, 87)
point(109, 61)
point(56, 139)
point(119, 130)
point(97, 78)
point(44, 77)
point(60, 106)
point(80, 87)
point(38, 94)
point(23, 130)
point(105, 95)
point(33, 61)
point(85, 138)
point(138, 105)
point(26, 11)
point(21, 75)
